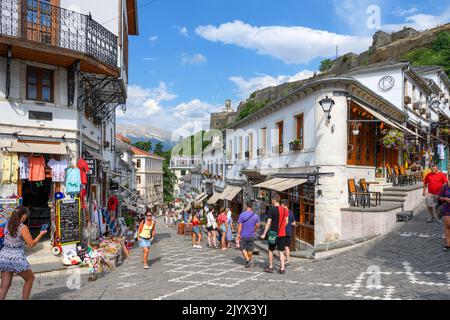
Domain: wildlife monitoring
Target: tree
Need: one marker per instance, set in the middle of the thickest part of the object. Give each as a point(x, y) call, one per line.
point(325, 65)
point(158, 150)
point(169, 178)
point(143, 145)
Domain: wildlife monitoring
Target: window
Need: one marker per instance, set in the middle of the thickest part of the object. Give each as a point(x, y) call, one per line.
point(39, 84)
point(280, 132)
point(299, 130)
point(250, 145)
point(138, 163)
point(138, 179)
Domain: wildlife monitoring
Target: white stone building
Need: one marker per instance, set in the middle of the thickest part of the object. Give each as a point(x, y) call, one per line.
point(62, 76)
point(149, 176)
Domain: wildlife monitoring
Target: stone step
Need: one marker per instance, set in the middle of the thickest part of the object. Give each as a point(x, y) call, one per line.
point(388, 199)
point(394, 194)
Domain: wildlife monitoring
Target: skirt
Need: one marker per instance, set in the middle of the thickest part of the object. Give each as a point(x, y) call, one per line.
point(13, 260)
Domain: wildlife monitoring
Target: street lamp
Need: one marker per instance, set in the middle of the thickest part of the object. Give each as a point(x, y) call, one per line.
point(327, 104)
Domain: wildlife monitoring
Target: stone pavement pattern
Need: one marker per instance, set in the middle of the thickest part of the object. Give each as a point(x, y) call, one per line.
point(408, 263)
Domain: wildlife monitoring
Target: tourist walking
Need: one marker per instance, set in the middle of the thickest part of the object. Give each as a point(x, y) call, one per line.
point(211, 227)
point(230, 228)
point(248, 223)
point(146, 235)
point(223, 227)
point(196, 233)
point(289, 226)
point(12, 255)
point(275, 231)
point(434, 182)
point(444, 198)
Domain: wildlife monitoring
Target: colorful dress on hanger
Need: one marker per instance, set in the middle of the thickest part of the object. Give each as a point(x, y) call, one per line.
point(58, 169)
point(9, 168)
point(84, 169)
point(24, 168)
point(37, 168)
point(73, 181)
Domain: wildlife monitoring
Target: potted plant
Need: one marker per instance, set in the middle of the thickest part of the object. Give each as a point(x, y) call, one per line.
point(296, 145)
point(393, 139)
point(379, 173)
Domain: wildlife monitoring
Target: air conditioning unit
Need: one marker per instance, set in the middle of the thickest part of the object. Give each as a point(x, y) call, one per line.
point(407, 100)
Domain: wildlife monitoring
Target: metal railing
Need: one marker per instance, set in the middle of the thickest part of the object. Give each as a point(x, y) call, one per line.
point(38, 21)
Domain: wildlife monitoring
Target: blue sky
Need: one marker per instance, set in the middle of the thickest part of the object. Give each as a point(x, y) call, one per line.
point(192, 55)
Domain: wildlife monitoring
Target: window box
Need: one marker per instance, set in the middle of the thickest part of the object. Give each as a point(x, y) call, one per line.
point(296, 145)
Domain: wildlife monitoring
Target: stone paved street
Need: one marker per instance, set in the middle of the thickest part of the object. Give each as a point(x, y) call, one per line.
point(406, 264)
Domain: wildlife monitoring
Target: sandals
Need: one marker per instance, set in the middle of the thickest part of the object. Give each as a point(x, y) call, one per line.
point(281, 271)
point(268, 269)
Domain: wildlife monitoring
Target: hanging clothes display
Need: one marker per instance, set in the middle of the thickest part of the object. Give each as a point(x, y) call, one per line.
point(84, 169)
point(441, 151)
point(73, 181)
point(83, 194)
point(113, 202)
point(24, 167)
point(37, 168)
point(58, 169)
point(9, 168)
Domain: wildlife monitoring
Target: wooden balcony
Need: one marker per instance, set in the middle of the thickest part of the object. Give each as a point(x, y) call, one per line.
point(37, 31)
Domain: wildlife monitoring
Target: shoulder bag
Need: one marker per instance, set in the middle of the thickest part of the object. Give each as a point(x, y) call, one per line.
point(272, 236)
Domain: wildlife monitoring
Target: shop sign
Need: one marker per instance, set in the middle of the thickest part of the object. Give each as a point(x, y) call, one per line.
point(69, 221)
point(92, 164)
point(312, 179)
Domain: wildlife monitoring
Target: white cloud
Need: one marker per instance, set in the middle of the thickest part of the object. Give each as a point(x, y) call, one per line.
point(149, 59)
point(401, 12)
point(290, 44)
point(195, 59)
point(183, 31)
point(152, 105)
point(153, 40)
point(246, 86)
point(420, 21)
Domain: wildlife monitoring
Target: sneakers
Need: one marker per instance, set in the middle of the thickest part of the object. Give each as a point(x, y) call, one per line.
point(431, 220)
point(146, 267)
point(196, 246)
point(248, 264)
point(268, 269)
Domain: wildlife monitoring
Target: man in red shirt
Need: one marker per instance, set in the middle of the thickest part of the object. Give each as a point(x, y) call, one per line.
point(434, 181)
point(277, 220)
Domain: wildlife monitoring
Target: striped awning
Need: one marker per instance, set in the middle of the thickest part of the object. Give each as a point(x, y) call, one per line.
point(200, 196)
point(288, 184)
point(214, 198)
point(267, 184)
point(231, 193)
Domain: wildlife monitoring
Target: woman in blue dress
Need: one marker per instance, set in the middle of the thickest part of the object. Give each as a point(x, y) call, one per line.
point(12, 255)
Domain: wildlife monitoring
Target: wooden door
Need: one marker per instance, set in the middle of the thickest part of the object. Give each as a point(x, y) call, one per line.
point(305, 229)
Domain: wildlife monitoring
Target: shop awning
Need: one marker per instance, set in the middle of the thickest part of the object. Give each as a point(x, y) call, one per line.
point(200, 196)
point(232, 192)
point(203, 198)
point(271, 182)
point(288, 184)
point(27, 147)
point(387, 121)
point(214, 198)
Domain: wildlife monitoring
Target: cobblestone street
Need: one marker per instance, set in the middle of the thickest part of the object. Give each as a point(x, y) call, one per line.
point(406, 264)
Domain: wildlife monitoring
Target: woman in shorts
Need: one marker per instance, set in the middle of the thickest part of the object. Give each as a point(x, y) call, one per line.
point(211, 226)
point(196, 233)
point(146, 235)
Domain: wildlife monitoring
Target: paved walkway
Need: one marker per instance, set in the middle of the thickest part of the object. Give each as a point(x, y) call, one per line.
point(406, 264)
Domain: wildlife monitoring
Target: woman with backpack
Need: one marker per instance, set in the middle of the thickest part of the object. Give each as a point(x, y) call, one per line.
point(146, 235)
point(211, 227)
point(444, 199)
point(12, 255)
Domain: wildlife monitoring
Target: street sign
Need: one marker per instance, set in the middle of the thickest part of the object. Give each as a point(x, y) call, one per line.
point(92, 164)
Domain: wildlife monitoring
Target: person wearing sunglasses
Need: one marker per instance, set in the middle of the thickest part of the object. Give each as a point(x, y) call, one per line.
point(146, 235)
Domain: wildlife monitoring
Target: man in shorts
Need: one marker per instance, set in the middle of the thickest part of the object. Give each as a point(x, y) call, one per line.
point(289, 227)
point(276, 222)
point(434, 181)
point(248, 223)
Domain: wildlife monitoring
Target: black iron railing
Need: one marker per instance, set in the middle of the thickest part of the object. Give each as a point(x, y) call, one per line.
point(38, 21)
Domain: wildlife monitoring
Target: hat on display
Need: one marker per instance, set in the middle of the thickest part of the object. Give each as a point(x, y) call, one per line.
point(59, 195)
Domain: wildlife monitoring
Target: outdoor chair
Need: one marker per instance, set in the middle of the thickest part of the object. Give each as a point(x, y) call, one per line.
point(410, 179)
point(401, 179)
point(365, 189)
point(356, 197)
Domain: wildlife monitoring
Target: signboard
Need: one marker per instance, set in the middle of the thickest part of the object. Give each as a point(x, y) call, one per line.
point(92, 164)
point(312, 179)
point(69, 220)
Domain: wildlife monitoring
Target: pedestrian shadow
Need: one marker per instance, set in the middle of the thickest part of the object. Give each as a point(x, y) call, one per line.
point(161, 236)
point(154, 260)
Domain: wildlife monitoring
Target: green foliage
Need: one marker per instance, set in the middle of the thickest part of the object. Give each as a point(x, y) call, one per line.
point(192, 145)
point(169, 178)
point(158, 150)
point(253, 95)
point(437, 55)
point(325, 65)
point(145, 146)
point(250, 107)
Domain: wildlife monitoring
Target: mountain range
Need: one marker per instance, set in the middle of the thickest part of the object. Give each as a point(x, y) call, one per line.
point(136, 132)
